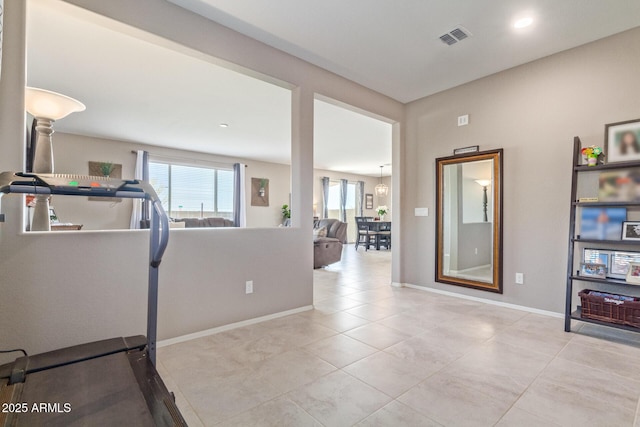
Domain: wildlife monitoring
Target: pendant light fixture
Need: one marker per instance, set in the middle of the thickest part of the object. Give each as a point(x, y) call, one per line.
point(381, 189)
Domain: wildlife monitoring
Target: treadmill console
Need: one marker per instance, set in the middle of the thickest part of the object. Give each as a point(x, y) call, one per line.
point(71, 181)
point(71, 184)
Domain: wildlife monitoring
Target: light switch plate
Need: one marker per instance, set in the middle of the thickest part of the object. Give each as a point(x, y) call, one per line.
point(422, 211)
point(463, 120)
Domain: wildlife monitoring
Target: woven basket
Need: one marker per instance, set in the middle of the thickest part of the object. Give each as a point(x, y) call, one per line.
point(608, 309)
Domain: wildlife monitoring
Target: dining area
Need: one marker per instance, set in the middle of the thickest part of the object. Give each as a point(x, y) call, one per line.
point(373, 233)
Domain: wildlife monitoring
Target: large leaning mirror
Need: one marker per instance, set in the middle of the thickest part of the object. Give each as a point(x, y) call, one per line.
point(469, 220)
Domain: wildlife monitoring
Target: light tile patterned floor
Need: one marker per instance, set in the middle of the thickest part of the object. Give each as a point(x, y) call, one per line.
point(373, 355)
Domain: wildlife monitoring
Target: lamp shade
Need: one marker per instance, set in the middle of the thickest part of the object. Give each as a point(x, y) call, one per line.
point(483, 182)
point(50, 105)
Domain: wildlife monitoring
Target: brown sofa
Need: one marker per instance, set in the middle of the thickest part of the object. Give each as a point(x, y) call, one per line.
point(327, 250)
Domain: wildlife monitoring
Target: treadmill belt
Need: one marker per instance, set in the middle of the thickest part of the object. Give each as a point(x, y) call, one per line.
point(101, 392)
point(117, 389)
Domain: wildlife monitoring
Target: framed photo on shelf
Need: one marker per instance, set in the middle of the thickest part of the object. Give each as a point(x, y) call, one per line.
point(619, 186)
point(622, 141)
point(633, 276)
point(631, 230)
point(620, 261)
point(602, 223)
point(597, 256)
point(593, 270)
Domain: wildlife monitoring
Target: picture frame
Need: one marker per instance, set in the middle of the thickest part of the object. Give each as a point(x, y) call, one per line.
point(599, 223)
point(631, 230)
point(260, 192)
point(368, 201)
point(597, 256)
point(589, 269)
point(622, 141)
point(633, 276)
point(107, 170)
point(619, 263)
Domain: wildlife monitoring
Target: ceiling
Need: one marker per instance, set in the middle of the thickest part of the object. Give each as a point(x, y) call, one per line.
point(350, 142)
point(393, 47)
point(167, 96)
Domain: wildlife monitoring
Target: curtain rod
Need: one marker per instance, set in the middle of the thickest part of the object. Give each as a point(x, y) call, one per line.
point(182, 158)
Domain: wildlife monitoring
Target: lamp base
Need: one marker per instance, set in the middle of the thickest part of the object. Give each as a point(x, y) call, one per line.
point(41, 220)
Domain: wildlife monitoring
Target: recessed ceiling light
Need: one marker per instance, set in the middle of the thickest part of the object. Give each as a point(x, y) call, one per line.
point(523, 22)
point(224, 125)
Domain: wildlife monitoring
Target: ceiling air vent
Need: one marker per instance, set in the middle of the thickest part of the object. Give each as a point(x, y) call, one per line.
point(448, 39)
point(455, 35)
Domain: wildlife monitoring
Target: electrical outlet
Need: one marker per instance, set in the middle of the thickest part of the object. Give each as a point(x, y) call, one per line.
point(476, 251)
point(519, 279)
point(249, 287)
point(463, 120)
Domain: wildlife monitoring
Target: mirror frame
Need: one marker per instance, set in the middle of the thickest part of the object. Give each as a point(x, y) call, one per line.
point(496, 156)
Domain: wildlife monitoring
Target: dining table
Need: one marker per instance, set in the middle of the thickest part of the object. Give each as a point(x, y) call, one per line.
point(379, 225)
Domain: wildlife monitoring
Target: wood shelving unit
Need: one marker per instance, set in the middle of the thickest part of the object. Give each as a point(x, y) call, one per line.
point(576, 242)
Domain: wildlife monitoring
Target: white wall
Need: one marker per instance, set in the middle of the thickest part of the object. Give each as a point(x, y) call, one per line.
point(73, 152)
point(58, 290)
point(533, 112)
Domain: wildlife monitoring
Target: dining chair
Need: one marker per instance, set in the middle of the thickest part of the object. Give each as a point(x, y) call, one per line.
point(384, 235)
point(366, 236)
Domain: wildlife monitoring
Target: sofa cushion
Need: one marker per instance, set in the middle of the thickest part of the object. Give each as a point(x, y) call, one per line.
point(335, 228)
point(319, 233)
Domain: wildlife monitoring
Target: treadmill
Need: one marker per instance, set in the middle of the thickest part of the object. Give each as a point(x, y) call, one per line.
point(111, 382)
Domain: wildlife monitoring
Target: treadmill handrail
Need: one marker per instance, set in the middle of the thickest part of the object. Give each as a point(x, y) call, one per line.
point(156, 257)
point(46, 184)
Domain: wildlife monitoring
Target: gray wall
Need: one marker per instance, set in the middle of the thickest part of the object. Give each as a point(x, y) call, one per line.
point(533, 112)
point(56, 288)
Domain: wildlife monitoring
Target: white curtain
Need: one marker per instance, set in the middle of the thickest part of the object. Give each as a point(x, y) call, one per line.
point(140, 210)
point(360, 197)
point(239, 195)
point(344, 188)
point(325, 197)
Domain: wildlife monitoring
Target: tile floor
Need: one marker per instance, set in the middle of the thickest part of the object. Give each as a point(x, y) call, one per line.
point(373, 355)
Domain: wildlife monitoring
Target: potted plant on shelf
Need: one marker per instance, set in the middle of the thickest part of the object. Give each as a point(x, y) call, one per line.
point(286, 213)
point(382, 211)
point(593, 154)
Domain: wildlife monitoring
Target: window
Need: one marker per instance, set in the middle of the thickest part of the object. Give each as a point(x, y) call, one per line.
point(334, 204)
point(335, 196)
point(193, 192)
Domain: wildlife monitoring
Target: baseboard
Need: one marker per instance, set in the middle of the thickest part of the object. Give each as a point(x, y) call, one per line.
point(397, 284)
point(212, 331)
point(483, 300)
